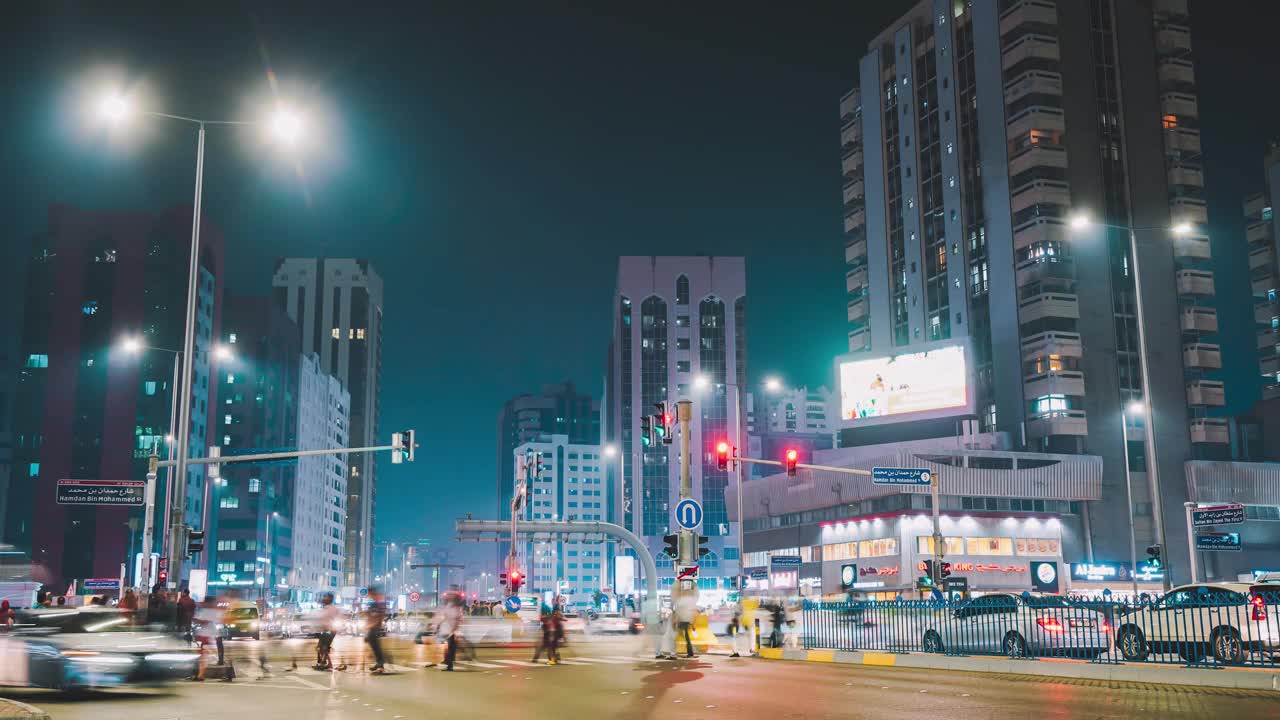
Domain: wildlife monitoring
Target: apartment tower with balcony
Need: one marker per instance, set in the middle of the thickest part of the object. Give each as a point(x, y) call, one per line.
point(977, 131)
point(1264, 273)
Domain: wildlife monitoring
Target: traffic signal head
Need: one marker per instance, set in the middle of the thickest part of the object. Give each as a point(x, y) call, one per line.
point(791, 458)
point(945, 570)
point(195, 541)
point(702, 546)
point(671, 545)
point(397, 448)
point(1153, 556)
point(410, 442)
point(516, 577)
point(646, 430)
point(722, 455)
point(928, 569)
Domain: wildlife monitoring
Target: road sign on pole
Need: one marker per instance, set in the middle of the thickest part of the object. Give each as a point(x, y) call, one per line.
point(101, 492)
point(689, 572)
point(1218, 542)
point(901, 476)
point(512, 604)
point(1232, 514)
point(415, 596)
point(688, 514)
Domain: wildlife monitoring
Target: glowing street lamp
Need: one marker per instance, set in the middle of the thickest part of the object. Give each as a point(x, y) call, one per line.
point(772, 384)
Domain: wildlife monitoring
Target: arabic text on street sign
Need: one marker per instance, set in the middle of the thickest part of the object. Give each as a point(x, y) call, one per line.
point(784, 561)
point(101, 492)
point(1217, 515)
point(901, 476)
point(1218, 541)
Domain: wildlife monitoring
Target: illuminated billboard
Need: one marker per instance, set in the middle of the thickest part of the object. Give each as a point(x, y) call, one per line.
point(934, 381)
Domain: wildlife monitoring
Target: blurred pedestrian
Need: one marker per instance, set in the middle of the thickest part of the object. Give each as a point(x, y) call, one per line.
point(778, 618)
point(547, 628)
point(185, 613)
point(374, 617)
point(7, 615)
point(62, 601)
point(449, 627)
point(208, 619)
point(737, 630)
point(685, 607)
point(329, 619)
point(129, 601)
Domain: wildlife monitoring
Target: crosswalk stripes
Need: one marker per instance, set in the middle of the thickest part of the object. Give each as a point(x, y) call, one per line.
point(477, 663)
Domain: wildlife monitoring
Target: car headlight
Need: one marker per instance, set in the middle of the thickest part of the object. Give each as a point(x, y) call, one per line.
point(253, 625)
point(172, 657)
point(91, 657)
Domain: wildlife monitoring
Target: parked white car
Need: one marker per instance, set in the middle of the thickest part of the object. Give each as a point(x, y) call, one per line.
point(1227, 620)
point(1018, 626)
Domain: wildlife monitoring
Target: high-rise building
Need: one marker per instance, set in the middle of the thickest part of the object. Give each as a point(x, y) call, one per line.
point(1264, 272)
point(337, 303)
point(679, 333)
point(977, 131)
point(320, 493)
point(558, 410)
point(258, 412)
point(571, 486)
point(83, 408)
point(789, 419)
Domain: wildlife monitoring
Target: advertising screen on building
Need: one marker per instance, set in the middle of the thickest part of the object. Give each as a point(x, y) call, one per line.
point(934, 380)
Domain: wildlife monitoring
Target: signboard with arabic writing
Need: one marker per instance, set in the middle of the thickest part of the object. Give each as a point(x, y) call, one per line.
point(102, 492)
point(1217, 515)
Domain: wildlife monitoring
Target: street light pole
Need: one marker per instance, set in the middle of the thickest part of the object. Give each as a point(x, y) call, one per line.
point(183, 436)
point(1128, 494)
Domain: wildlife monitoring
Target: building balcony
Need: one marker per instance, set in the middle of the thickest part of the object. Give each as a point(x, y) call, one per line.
point(1170, 8)
point(850, 104)
point(1173, 39)
point(1261, 257)
point(1263, 313)
point(1036, 117)
point(1270, 366)
point(1205, 356)
point(1059, 382)
point(1189, 209)
point(855, 280)
point(1257, 232)
point(1047, 305)
point(1185, 175)
point(856, 220)
point(1039, 155)
point(1254, 205)
point(1195, 282)
point(1039, 269)
point(1040, 192)
point(858, 309)
point(851, 133)
point(1028, 47)
point(853, 194)
point(855, 251)
point(1199, 319)
point(1062, 422)
point(1206, 392)
point(1210, 430)
point(1041, 232)
point(1062, 344)
point(1032, 82)
point(1027, 12)
point(860, 339)
point(1175, 71)
point(1261, 285)
point(1184, 140)
point(1180, 104)
point(851, 164)
point(1268, 339)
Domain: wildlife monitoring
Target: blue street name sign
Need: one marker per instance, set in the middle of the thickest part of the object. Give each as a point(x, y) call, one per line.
point(1218, 541)
point(901, 476)
point(1217, 515)
point(784, 561)
point(688, 514)
point(512, 603)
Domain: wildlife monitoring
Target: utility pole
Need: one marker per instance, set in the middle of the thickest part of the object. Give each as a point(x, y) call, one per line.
point(688, 538)
point(935, 491)
point(148, 526)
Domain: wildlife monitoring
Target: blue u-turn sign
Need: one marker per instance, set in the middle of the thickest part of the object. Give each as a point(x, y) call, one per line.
point(688, 514)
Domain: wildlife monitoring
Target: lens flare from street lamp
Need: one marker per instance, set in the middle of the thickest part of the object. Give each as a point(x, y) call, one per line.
point(131, 345)
point(772, 384)
point(1183, 229)
point(286, 126)
point(1080, 221)
point(113, 107)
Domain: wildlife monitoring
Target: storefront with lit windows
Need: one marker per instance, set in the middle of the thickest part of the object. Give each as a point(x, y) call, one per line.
point(1009, 531)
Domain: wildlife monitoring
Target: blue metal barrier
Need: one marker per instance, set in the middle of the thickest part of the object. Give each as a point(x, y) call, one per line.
point(1200, 627)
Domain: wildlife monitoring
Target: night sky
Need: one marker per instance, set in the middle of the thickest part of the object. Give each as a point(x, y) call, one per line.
point(492, 160)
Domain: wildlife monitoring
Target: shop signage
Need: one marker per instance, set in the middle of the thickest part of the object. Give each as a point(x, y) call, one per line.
point(1044, 576)
point(863, 572)
point(1099, 572)
point(867, 584)
point(759, 574)
point(959, 567)
point(787, 561)
point(848, 575)
point(1217, 515)
point(1146, 573)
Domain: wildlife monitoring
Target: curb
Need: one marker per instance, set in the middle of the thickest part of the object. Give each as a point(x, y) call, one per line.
point(1234, 679)
point(14, 710)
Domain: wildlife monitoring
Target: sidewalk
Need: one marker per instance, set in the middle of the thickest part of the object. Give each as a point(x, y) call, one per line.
point(14, 710)
point(1234, 678)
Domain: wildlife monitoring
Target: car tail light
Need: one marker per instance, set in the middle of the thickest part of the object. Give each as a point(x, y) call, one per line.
point(1259, 607)
point(1104, 626)
point(1051, 625)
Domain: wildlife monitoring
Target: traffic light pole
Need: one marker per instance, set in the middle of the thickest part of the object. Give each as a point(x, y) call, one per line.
point(1191, 543)
point(688, 540)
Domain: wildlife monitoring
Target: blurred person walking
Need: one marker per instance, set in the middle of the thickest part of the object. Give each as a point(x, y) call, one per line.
point(186, 612)
point(329, 619)
point(685, 608)
point(374, 617)
point(449, 628)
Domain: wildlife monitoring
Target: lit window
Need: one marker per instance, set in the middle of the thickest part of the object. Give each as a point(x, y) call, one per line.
point(33, 469)
point(231, 338)
point(226, 420)
point(1169, 121)
point(359, 333)
point(37, 360)
point(231, 378)
point(90, 307)
point(231, 502)
point(149, 387)
point(226, 439)
point(337, 335)
point(255, 485)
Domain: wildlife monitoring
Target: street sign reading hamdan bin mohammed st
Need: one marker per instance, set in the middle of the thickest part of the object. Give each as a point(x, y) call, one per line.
point(901, 476)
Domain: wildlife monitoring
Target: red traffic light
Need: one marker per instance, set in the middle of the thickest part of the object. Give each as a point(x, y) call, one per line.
point(791, 457)
point(515, 574)
point(722, 455)
point(666, 419)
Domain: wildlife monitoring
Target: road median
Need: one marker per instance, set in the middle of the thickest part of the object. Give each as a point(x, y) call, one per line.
point(1233, 678)
point(14, 710)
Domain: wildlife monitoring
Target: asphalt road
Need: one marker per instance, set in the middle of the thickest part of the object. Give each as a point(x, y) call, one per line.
point(617, 678)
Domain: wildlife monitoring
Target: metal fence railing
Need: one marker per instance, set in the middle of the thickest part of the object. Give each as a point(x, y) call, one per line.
point(1187, 627)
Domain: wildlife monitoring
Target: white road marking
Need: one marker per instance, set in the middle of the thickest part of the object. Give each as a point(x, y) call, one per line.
point(308, 683)
point(477, 663)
